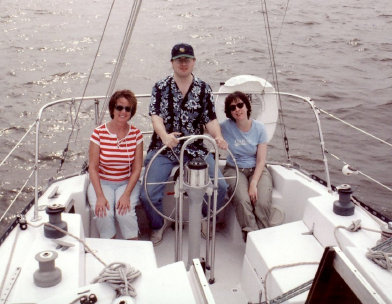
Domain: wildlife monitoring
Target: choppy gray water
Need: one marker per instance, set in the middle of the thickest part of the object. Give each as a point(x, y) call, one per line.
point(337, 52)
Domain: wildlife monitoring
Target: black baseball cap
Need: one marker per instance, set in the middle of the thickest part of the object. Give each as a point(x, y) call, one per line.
point(182, 50)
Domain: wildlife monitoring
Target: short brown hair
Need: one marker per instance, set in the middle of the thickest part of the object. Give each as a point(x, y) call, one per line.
point(128, 95)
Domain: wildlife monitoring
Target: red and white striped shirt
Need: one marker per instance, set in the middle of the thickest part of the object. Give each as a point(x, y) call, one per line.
point(116, 156)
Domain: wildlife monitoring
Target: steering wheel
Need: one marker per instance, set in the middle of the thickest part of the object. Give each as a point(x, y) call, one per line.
point(170, 214)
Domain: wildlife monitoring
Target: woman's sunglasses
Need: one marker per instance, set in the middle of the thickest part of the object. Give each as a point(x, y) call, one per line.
point(120, 108)
point(239, 105)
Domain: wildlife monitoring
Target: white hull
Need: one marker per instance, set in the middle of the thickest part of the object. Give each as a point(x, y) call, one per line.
point(239, 267)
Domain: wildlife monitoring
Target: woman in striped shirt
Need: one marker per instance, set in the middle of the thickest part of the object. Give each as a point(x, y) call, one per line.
point(115, 163)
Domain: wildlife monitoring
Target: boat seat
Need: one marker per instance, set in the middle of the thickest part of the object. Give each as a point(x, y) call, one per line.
point(139, 254)
point(319, 217)
point(277, 246)
point(170, 284)
point(167, 284)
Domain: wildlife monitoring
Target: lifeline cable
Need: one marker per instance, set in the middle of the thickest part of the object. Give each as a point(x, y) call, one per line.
point(85, 88)
point(274, 72)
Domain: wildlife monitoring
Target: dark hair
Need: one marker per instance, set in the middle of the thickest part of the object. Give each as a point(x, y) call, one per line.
point(232, 97)
point(128, 95)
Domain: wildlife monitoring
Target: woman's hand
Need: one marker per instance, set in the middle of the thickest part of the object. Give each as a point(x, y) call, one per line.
point(124, 204)
point(101, 206)
point(221, 142)
point(253, 192)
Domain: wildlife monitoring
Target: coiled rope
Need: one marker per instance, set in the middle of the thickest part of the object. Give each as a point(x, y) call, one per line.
point(119, 277)
point(381, 258)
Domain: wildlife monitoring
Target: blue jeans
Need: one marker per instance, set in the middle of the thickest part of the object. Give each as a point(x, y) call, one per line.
point(160, 171)
point(127, 222)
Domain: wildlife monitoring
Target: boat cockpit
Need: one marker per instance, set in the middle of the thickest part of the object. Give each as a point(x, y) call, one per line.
point(277, 263)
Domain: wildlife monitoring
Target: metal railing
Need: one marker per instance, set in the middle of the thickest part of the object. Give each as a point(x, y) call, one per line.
point(37, 124)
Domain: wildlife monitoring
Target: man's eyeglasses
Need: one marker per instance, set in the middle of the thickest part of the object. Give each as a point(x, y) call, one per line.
point(239, 105)
point(120, 108)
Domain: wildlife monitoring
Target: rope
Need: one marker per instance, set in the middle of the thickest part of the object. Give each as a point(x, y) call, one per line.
point(266, 23)
point(354, 227)
point(381, 258)
point(119, 276)
point(274, 73)
point(279, 267)
point(361, 131)
point(88, 249)
point(121, 55)
point(85, 89)
point(354, 127)
point(360, 172)
point(381, 254)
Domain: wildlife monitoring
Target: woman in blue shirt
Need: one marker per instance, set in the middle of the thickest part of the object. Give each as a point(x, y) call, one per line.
point(247, 140)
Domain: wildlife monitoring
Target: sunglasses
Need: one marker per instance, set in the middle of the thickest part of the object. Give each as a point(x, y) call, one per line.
point(239, 105)
point(120, 108)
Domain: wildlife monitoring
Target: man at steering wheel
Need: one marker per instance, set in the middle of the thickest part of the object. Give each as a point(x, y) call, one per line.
point(181, 105)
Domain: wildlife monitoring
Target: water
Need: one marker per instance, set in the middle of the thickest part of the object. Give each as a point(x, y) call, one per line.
point(339, 53)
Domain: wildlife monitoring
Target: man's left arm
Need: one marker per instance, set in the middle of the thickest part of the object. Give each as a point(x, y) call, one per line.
point(214, 130)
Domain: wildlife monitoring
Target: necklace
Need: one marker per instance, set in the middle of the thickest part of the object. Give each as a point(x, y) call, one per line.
point(115, 130)
point(119, 141)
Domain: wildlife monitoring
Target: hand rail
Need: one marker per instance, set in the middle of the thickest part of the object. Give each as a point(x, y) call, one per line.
point(297, 98)
point(310, 102)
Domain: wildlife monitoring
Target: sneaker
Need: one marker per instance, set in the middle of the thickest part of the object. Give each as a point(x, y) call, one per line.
point(204, 229)
point(157, 235)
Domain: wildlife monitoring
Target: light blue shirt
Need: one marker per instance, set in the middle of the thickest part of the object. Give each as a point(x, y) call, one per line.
point(243, 145)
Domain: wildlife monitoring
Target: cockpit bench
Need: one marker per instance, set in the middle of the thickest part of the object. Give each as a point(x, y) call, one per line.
point(276, 247)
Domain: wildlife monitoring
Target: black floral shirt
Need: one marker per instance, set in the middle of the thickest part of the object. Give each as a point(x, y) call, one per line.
point(185, 114)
